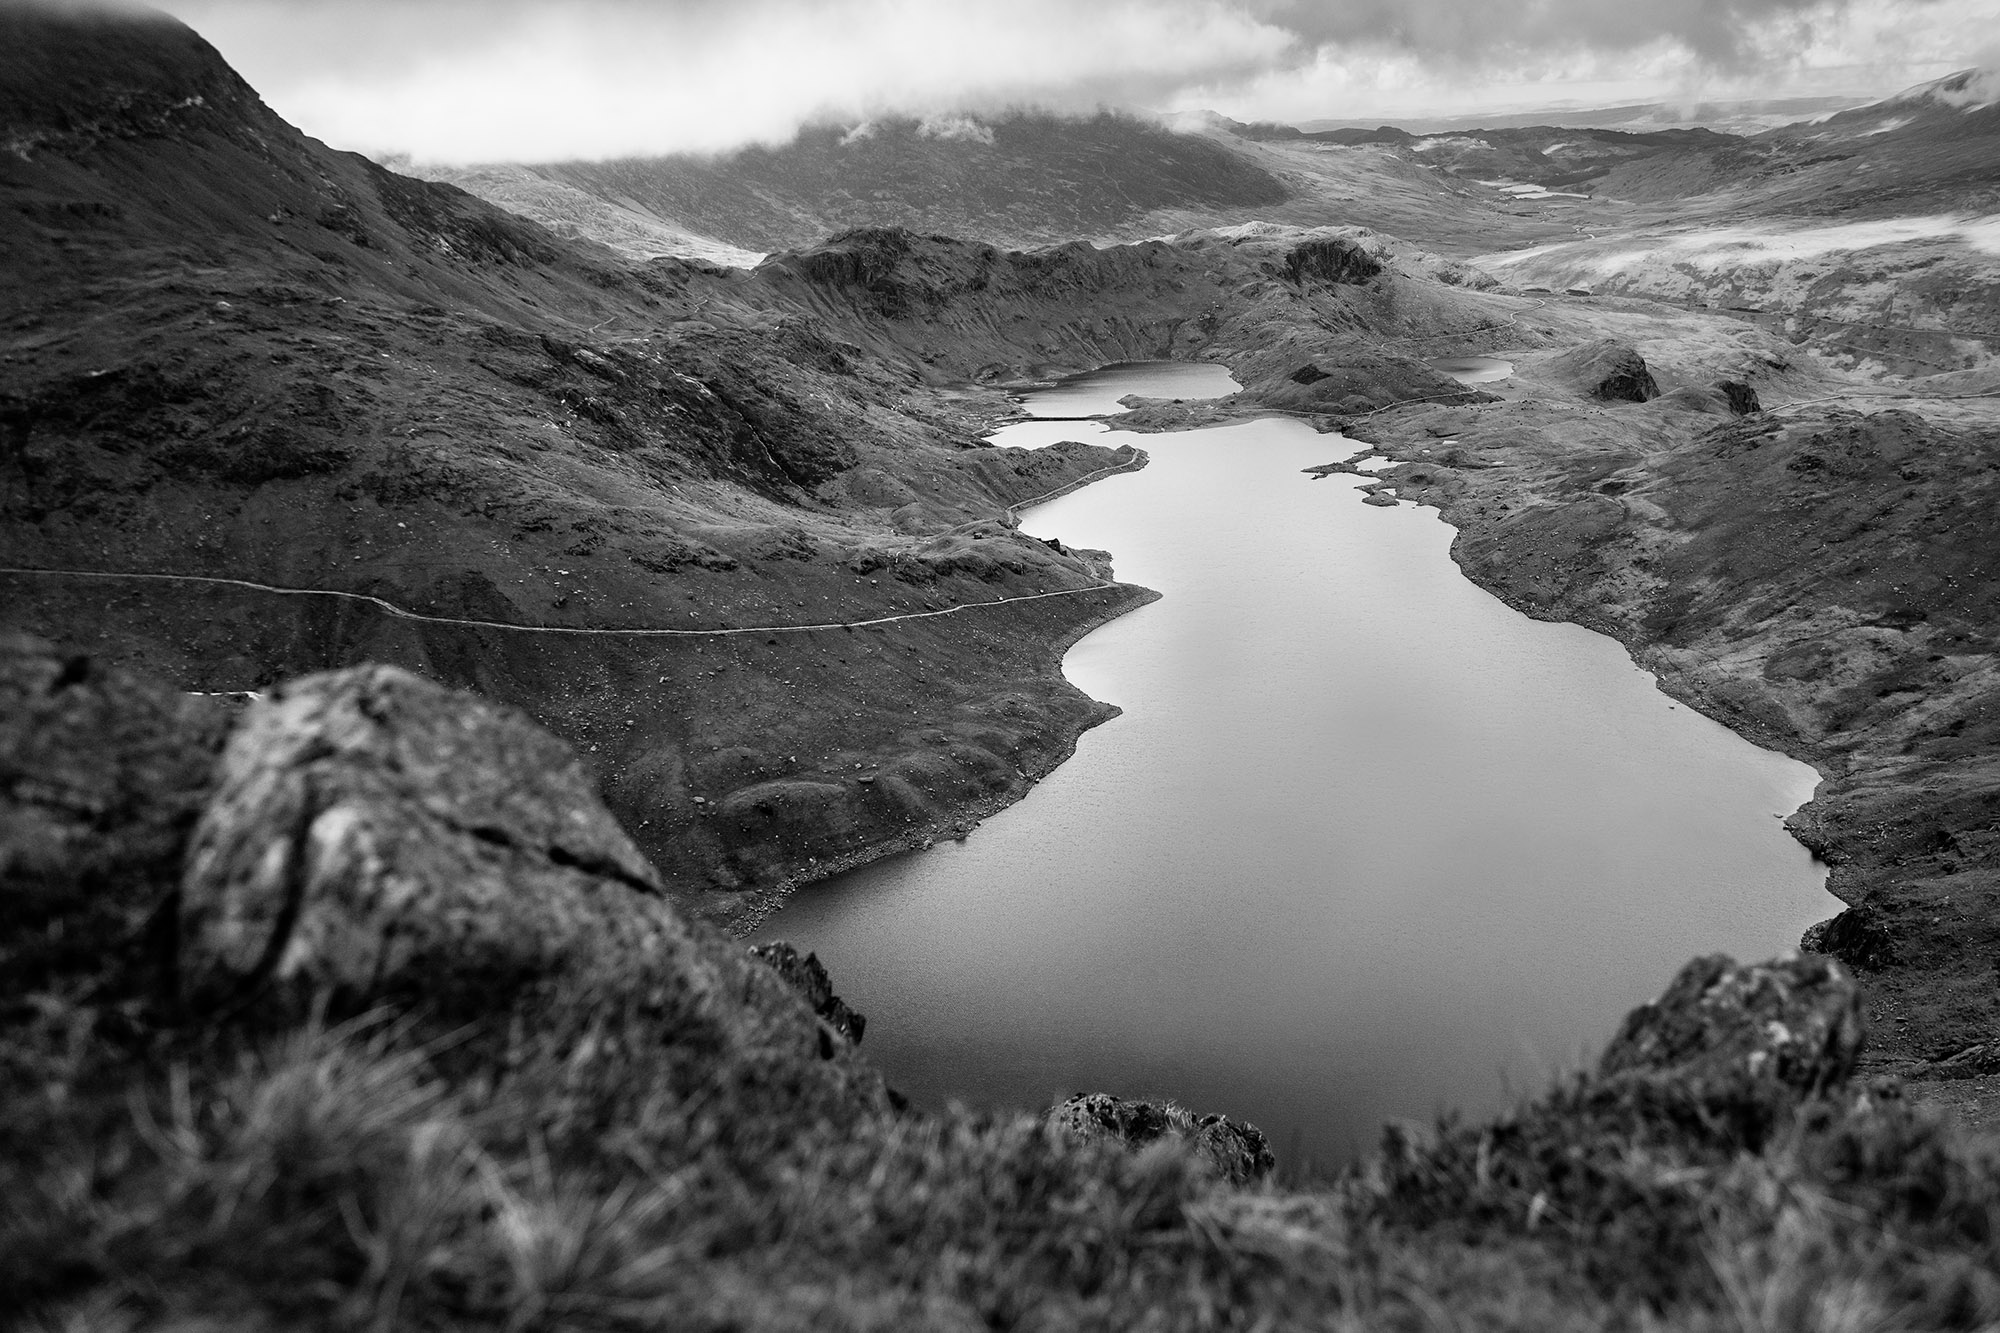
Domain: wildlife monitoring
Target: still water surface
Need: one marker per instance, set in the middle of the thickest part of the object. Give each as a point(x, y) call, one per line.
point(1365, 844)
point(1473, 369)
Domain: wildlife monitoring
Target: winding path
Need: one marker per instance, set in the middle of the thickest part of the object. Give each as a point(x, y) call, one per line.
point(404, 613)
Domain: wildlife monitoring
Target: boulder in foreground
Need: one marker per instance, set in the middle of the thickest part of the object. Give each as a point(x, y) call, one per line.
point(1796, 1021)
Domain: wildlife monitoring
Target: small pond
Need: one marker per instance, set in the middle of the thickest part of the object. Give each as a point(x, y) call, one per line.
point(1473, 369)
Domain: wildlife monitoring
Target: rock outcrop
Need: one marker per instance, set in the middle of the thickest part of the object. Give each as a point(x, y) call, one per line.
point(1608, 370)
point(805, 974)
point(372, 832)
point(1858, 937)
point(1796, 1021)
point(1741, 397)
point(369, 841)
point(1337, 261)
point(1237, 1151)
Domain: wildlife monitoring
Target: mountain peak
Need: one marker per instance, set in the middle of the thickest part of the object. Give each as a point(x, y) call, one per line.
point(73, 76)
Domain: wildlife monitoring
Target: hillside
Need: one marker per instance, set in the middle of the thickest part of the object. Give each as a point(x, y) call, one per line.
point(254, 365)
point(373, 1002)
point(1022, 179)
point(238, 357)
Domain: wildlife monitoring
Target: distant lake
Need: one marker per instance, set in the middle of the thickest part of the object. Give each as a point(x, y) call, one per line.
point(1473, 369)
point(1098, 393)
point(1365, 844)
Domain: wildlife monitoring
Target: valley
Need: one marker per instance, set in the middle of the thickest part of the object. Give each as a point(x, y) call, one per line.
point(682, 466)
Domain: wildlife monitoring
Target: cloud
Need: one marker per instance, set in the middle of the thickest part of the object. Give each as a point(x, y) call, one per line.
point(471, 80)
point(958, 126)
point(598, 78)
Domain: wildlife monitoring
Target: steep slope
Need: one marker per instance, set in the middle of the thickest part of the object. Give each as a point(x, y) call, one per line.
point(570, 212)
point(234, 355)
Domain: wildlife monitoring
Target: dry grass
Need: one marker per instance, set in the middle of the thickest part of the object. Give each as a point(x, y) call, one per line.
point(347, 1175)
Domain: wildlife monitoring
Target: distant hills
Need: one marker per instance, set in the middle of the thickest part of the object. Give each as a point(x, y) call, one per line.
point(1748, 116)
point(1019, 179)
point(1029, 178)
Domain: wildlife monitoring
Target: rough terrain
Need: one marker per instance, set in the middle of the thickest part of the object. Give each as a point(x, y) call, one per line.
point(284, 395)
point(1817, 575)
point(234, 355)
point(359, 1010)
point(351, 1004)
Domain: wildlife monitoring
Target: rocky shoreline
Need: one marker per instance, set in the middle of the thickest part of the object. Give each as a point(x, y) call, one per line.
point(1791, 605)
point(967, 814)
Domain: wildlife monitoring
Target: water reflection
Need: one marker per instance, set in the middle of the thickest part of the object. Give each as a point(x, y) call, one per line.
point(1473, 369)
point(1365, 844)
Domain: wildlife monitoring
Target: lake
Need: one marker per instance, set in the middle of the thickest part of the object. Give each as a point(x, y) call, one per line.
point(1473, 369)
point(1365, 844)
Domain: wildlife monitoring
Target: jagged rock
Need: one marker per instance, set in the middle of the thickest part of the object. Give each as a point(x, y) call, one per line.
point(374, 833)
point(807, 975)
point(1796, 1022)
point(1858, 937)
point(1237, 1151)
point(1607, 369)
point(1336, 260)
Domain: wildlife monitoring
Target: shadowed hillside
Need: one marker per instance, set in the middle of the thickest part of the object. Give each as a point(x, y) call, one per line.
point(1021, 179)
point(236, 356)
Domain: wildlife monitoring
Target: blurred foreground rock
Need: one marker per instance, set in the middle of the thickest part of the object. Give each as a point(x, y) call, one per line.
point(368, 841)
point(1795, 1021)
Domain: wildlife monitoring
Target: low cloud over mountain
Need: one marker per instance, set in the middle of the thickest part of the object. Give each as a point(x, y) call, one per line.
point(552, 79)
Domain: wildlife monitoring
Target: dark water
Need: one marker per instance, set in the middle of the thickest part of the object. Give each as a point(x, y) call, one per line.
point(1473, 369)
point(1365, 844)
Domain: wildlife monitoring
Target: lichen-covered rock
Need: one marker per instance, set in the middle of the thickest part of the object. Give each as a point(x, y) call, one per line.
point(805, 974)
point(367, 841)
point(1795, 1022)
point(1237, 1151)
point(1608, 370)
point(372, 831)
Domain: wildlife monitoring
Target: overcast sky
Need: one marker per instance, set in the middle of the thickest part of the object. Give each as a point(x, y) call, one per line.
point(533, 80)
